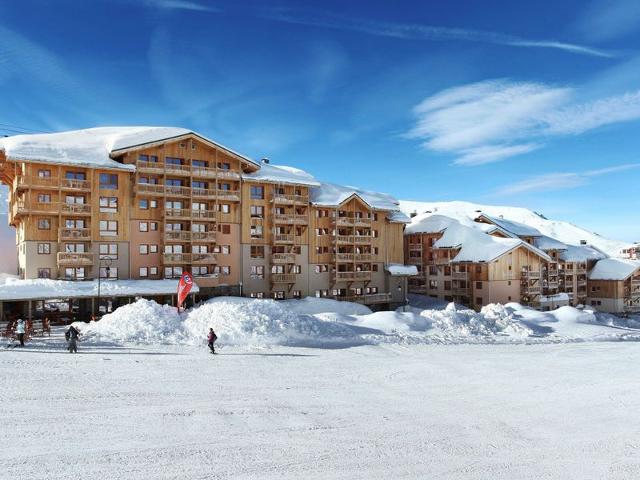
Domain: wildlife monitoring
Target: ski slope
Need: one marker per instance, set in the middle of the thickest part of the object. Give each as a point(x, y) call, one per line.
point(566, 232)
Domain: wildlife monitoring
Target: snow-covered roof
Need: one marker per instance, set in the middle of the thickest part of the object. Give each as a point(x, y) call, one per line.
point(516, 228)
point(475, 246)
point(399, 270)
point(16, 289)
point(548, 243)
point(398, 217)
point(91, 147)
point(329, 194)
point(282, 174)
point(581, 253)
point(558, 297)
point(613, 269)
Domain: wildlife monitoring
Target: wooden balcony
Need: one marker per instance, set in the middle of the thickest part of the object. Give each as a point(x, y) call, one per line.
point(176, 169)
point(177, 213)
point(283, 278)
point(75, 185)
point(81, 234)
point(177, 191)
point(150, 167)
point(28, 208)
point(352, 276)
point(206, 258)
point(177, 236)
point(203, 236)
point(205, 215)
point(353, 239)
point(228, 195)
point(288, 219)
point(369, 299)
point(459, 275)
point(414, 261)
point(22, 182)
point(176, 258)
point(353, 257)
point(75, 209)
point(461, 291)
point(288, 199)
point(75, 259)
point(416, 247)
point(530, 274)
point(279, 239)
point(530, 289)
point(228, 174)
point(149, 189)
point(283, 258)
point(441, 261)
point(203, 192)
point(354, 221)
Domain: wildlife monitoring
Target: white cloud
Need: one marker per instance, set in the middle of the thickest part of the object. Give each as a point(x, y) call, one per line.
point(420, 32)
point(181, 5)
point(560, 181)
point(493, 120)
point(609, 19)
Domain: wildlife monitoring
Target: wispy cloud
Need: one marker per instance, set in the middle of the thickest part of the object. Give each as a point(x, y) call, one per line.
point(420, 32)
point(181, 5)
point(493, 120)
point(605, 20)
point(560, 181)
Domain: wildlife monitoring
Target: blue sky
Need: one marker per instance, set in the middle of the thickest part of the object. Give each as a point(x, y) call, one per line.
point(533, 104)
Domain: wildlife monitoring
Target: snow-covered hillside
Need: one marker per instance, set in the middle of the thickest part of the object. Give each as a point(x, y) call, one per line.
point(566, 232)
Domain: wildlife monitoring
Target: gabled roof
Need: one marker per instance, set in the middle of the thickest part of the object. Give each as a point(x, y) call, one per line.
point(93, 147)
point(516, 228)
point(281, 174)
point(331, 195)
point(614, 269)
point(547, 243)
point(474, 245)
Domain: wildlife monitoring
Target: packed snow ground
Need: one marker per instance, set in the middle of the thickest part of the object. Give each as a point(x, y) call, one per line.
point(373, 412)
point(323, 323)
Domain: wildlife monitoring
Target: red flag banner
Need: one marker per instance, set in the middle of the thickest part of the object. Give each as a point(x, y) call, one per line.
point(184, 287)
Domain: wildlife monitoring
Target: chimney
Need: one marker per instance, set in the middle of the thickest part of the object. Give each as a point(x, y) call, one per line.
point(265, 160)
point(583, 242)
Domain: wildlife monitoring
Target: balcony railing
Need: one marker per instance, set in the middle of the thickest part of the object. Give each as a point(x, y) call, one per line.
point(290, 219)
point(228, 195)
point(531, 289)
point(283, 278)
point(149, 189)
point(354, 239)
point(155, 167)
point(75, 208)
point(441, 261)
point(177, 213)
point(177, 191)
point(203, 236)
point(177, 236)
point(25, 208)
point(280, 238)
point(414, 261)
point(75, 234)
point(532, 274)
point(177, 169)
point(203, 214)
point(203, 258)
point(461, 291)
point(24, 181)
point(368, 299)
point(73, 184)
point(353, 257)
point(352, 276)
point(283, 258)
point(176, 258)
point(284, 198)
point(79, 259)
point(203, 192)
point(459, 275)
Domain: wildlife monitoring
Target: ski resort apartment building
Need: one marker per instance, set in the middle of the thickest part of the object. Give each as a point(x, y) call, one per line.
point(491, 259)
point(147, 203)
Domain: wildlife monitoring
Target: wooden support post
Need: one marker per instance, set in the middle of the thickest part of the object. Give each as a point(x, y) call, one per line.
point(29, 310)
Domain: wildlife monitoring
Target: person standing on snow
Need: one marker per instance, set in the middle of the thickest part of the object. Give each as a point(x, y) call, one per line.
point(20, 329)
point(211, 339)
point(72, 338)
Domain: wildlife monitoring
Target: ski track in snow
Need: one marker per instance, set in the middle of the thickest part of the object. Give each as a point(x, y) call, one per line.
point(434, 411)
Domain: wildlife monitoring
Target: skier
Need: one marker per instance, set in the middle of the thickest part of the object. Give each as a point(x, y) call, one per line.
point(20, 329)
point(211, 339)
point(72, 335)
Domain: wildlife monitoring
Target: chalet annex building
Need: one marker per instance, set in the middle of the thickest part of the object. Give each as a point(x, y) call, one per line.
point(147, 203)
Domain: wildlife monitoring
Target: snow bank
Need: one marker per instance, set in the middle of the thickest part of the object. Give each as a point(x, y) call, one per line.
point(323, 323)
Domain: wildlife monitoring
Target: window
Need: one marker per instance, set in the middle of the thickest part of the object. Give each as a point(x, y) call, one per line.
point(296, 269)
point(256, 231)
point(44, 198)
point(257, 192)
point(143, 249)
point(143, 204)
point(172, 272)
point(143, 226)
point(257, 271)
point(225, 249)
point(199, 249)
point(44, 249)
point(109, 181)
point(44, 173)
point(44, 273)
point(75, 175)
point(73, 223)
point(74, 200)
point(256, 294)
point(478, 285)
point(277, 268)
point(257, 211)
point(153, 248)
point(173, 249)
point(74, 248)
point(225, 270)
point(321, 268)
point(433, 284)
point(279, 295)
point(225, 229)
point(224, 166)
point(109, 272)
point(74, 273)
point(153, 226)
point(296, 294)
point(153, 203)
point(108, 228)
point(225, 208)
point(109, 204)
point(143, 272)
point(374, 267)
point(200, 271)
point(44, 224)
point(153, 271)
point(478, 300)
point(257, 251)
point(173, 160)
point(109, 250)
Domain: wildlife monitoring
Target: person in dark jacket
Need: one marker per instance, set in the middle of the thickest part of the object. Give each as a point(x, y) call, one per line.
point(211, 339)
point(72, 335)
point(20, 331)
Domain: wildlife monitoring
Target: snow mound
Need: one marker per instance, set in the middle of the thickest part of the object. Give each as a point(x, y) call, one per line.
point(312, 306)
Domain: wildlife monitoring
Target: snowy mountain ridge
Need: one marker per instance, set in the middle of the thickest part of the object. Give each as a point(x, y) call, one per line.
point(566, 232)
